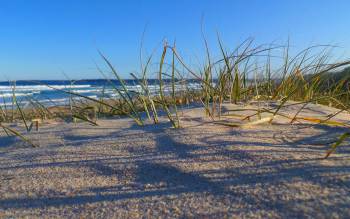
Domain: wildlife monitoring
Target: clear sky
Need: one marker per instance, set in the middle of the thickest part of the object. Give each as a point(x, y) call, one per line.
point(40, 39)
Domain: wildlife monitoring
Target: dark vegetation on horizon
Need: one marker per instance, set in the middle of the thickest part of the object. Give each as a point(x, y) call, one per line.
point(240, 75)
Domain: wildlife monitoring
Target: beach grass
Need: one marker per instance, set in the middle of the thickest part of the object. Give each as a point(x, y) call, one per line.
point(246, 73)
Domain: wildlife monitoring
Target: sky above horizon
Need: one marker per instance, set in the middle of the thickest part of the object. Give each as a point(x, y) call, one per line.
point(42, 39)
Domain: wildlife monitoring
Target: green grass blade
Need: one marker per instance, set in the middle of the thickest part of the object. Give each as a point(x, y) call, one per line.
point(337, 143)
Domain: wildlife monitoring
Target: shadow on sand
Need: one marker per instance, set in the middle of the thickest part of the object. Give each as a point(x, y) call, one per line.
point(156, 172)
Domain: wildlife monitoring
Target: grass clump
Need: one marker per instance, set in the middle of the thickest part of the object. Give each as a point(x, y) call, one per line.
point(263, 73)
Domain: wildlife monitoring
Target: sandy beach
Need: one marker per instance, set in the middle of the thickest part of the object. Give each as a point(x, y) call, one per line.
point(202, 170)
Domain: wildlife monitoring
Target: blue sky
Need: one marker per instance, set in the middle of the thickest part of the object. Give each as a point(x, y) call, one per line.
point(42, 39)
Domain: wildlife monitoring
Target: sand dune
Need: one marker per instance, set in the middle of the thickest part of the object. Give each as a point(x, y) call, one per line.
point(202, 170)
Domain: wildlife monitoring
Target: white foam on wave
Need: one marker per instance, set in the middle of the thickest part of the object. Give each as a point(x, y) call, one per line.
point(17, 94)
point(41, 87)
point(97, 90)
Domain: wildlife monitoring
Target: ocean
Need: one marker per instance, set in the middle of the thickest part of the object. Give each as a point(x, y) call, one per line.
point(51, 92)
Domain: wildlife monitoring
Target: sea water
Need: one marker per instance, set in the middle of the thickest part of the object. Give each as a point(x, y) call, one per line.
point(59, 92)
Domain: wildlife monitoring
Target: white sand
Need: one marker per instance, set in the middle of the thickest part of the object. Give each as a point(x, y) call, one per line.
point(202, 170)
